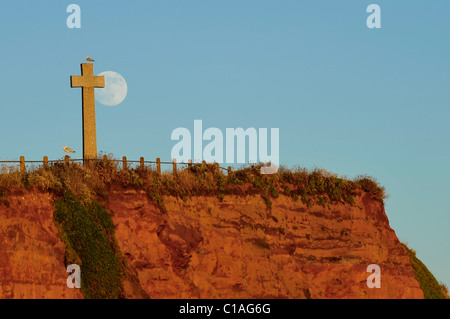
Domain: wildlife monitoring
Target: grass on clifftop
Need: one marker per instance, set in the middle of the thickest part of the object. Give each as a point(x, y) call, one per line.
point(311, 187)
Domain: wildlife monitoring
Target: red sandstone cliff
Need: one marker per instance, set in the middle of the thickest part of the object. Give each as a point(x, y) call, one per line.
point(31, 253)
point(207, 248)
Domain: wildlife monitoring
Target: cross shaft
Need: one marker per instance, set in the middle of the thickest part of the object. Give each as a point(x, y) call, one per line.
point(87, 81)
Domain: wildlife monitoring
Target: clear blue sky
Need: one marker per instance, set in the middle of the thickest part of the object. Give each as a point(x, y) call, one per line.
point(346, 98)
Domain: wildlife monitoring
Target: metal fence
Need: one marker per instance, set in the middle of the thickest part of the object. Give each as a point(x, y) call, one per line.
point(67, 160)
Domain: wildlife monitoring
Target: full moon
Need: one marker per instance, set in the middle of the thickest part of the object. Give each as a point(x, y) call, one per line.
point(115, 89)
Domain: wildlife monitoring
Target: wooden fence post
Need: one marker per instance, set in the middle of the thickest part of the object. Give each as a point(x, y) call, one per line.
point(66, 159)
point(174, 163)
point(124, 162)
point(142, 163)
point(45, 162)
point(158, 165)
point(203, 162)
point(22, 165)
point(229, 170)
point(190, 163)
point(105, 157)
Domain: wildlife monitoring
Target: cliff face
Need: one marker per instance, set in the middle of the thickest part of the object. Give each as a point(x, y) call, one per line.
point(207, 248)
point(237, 248)
point(31, 254)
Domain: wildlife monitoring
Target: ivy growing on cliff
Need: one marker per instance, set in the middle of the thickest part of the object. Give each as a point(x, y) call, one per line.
point(430, 286)
point(88, 234)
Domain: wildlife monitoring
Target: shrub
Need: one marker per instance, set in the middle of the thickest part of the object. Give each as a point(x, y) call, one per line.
point(444, 290)
point(45, 180)
point(428, 283)
point(370, 185)
point(10, 178)
point(273, 191)
point(267, 201)
point(287, 191)
point(350, 199)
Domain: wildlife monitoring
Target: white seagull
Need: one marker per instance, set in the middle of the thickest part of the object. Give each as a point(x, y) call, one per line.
point(89, 59)
point(68, 150)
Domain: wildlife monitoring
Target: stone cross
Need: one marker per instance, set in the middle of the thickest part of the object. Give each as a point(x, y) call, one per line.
point(87, 81)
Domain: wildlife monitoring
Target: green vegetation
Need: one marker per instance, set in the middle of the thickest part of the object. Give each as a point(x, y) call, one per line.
point(88, 234)
point(428, 283)
point(312, 187)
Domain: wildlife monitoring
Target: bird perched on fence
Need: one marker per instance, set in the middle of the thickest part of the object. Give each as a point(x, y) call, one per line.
point(89, 59)
point(68, 150)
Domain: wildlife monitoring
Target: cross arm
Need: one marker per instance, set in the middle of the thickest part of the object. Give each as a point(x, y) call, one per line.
point(87, 81)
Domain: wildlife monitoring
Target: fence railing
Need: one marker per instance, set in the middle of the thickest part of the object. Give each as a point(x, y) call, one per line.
point(45, 162)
